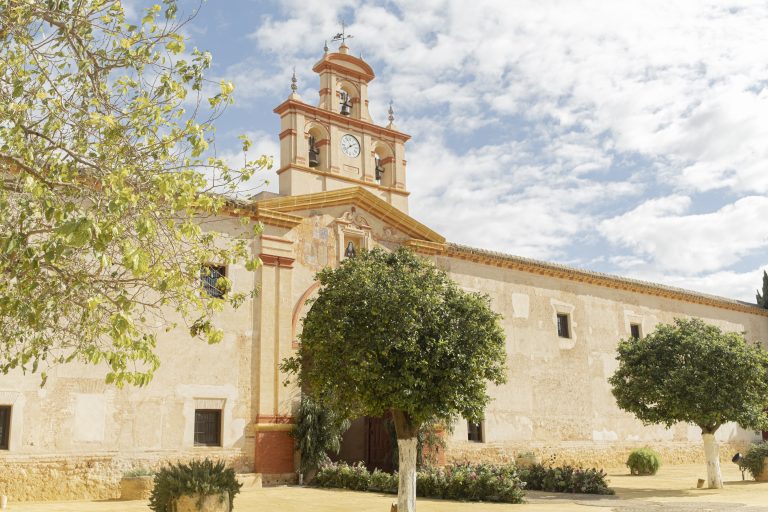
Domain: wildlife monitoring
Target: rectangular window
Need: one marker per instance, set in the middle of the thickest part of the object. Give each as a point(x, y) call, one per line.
point(562, 326)
point(207, 427)
point(475, 432)
point(209, 277)
point(634, 330)
point(5, 426)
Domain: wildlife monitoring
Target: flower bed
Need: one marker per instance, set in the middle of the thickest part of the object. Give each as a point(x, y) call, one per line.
point(565, 479)
point(469, 482)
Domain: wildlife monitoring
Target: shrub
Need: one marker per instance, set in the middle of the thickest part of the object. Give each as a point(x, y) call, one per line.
point(136, 472)
point(565, 479)
point(317, 432)
point(643, 462)
point(474, 482)
point(198, 477)
point(755, 457)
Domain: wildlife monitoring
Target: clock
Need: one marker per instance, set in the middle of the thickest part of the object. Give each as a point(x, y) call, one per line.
point(350, 146)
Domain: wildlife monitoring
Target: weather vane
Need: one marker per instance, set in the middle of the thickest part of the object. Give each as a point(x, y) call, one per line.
point(342, 36)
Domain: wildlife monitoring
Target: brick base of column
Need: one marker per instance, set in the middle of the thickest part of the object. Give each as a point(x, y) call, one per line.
point(274, 452)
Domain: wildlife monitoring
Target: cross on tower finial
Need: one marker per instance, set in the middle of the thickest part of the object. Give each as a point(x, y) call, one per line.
point(342, 36)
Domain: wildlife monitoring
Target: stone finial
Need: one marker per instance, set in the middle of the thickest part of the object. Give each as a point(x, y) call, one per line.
point(391, 116)
point(293, 81)
point(325, 46)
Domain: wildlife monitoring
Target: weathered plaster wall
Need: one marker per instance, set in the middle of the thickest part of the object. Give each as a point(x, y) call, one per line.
point(74, 436)
point(557, 399)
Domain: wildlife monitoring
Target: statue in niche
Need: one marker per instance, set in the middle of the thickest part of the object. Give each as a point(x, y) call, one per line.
point(350, 251)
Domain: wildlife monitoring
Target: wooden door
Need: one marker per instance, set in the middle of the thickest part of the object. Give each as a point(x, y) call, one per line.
point(379, 445)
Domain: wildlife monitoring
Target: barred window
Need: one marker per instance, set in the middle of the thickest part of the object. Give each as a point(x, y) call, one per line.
point(5, 426)
point(634, 330)
point(209, 277)
point(475, 432)
point(563, 329)
point(207, 427)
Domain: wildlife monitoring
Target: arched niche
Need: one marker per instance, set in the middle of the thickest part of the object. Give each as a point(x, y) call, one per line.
point(316, 136)
point(299, 310)
point(351, 92)
point(383, 158)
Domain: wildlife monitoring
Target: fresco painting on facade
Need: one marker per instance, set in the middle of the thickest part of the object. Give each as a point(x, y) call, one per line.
point(562, 326)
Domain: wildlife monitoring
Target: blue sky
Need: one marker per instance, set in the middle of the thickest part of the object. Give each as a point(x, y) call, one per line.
point(624, 137)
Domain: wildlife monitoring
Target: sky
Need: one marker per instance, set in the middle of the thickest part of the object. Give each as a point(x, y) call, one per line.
point(623, 137)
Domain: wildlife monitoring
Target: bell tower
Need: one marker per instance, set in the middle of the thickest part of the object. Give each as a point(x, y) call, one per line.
point(336, 144)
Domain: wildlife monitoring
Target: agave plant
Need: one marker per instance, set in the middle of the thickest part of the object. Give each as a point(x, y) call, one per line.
point(200, 477)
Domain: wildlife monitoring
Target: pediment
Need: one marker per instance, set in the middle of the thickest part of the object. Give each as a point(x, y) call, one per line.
point(360, 208)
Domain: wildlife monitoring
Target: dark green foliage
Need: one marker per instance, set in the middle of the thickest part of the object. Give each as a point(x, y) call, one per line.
point(565, 479)
point(471, 482)
point(391, 332)
point(643, 462)
point(693, 372)
point(754, 460)
point(762, 298)
point(317, 432)
point(198, 477)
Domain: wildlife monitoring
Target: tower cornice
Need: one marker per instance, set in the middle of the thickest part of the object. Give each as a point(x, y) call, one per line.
point(339, 120)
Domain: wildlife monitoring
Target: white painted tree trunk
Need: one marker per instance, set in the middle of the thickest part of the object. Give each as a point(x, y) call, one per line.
point(712, 456)
point(406, 491)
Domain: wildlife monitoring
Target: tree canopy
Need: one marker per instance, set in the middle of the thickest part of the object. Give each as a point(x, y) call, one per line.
point(390, 331)
point(762, 298)
point(693, 372)
point(107, 174)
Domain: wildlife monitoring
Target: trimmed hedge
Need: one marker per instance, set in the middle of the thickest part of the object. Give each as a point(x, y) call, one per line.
point(469, 482)
point(565, 479)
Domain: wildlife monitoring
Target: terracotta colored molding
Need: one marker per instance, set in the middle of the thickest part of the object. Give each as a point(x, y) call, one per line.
point(360, 197)
point(286, 133)
point(338, 119)
point(508, 261)
point(270, 260)
point(348, 179)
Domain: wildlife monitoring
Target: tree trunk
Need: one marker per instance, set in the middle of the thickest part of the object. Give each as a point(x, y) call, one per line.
point(712, 456)
point(406, 431)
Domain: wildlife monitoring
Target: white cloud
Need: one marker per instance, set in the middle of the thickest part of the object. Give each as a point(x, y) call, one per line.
point(690, 244)
point(671, 96)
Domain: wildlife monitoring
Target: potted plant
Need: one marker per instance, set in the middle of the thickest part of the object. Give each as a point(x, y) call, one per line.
point(136, 484)
point(756, 461)
point(200, 486)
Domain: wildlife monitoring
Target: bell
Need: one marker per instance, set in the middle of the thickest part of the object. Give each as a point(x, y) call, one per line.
point(379, 171)
point(314, 154)
point(346, 105)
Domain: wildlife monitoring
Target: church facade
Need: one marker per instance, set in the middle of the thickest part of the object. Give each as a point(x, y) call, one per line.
point(342, 190)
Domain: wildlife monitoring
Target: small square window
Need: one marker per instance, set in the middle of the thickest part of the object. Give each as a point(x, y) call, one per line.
point(475, 432)
point(209, 279)
point(5, 426)
point(634, 330)
point(207, 427)
point(563, 329)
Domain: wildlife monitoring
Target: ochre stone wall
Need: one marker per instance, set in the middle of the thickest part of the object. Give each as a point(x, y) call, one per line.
point(610, 456)
point(88, 477)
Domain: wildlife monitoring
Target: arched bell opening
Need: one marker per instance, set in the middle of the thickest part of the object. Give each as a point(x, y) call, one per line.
point(348, 100)
point(383, 164)
point(317, 147)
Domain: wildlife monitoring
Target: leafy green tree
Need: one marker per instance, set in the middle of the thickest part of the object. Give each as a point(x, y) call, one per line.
point(762, 298)
point(391, 332)
point(693, 372)
point(106, 174)
point(317, 432)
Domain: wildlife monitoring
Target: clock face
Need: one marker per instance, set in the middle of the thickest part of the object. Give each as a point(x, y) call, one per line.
point(350, 146)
